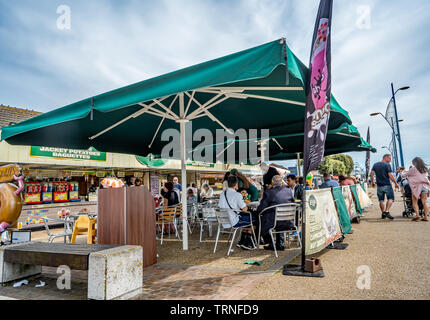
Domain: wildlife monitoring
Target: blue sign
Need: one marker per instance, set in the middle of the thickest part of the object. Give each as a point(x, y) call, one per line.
point(293, 170)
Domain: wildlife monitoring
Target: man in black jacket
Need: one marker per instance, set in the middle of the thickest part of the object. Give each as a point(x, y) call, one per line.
point(274, 196)
point(269, 173)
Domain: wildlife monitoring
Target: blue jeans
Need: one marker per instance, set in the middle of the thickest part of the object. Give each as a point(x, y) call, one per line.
point(385, 190)
point(243, 221)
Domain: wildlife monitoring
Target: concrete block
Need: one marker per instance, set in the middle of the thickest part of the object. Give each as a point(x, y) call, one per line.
point(115, 272)
point(14, 271)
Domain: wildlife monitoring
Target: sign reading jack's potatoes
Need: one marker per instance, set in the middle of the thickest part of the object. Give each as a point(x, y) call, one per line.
point(322, 222)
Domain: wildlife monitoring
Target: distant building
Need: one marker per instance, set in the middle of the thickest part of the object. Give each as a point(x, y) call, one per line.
point(10, 115)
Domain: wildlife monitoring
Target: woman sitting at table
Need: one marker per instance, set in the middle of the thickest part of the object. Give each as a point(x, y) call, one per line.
point(170, 196)
point(243, 182)
point(207, 192)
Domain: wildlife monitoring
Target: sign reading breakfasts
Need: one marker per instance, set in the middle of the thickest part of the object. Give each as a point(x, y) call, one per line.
point(65, 153)
point(7, 172)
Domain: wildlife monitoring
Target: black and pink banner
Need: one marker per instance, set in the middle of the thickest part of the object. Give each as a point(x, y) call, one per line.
point(318, 89)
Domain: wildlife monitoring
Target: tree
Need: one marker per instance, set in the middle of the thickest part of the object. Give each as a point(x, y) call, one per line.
point(332, 166)
point(347, 161)
point(338, 167)
point(339, 164)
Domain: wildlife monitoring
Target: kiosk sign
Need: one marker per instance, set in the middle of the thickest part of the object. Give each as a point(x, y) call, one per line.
point(64, 153)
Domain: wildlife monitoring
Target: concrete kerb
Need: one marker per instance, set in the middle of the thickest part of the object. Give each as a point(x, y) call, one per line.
point(115, 273)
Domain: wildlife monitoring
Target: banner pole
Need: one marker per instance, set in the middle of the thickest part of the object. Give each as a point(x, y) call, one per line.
point(303, 230)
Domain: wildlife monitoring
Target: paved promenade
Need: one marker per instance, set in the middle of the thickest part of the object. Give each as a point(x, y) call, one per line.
point(396, 252)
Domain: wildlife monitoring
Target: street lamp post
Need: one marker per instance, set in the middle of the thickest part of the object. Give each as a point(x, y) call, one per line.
point(397, 122)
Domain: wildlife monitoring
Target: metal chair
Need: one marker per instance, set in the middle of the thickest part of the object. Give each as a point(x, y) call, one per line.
point(178, 217)
point(68, 229)
point(208, 216)
point(223, 218)
point(283, 212)
point(193, 215)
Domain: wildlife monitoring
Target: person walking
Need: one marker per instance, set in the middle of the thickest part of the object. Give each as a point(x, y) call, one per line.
point(420, 186)
point(383, 172)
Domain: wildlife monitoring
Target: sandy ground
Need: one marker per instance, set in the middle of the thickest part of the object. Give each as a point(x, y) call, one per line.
point(397, 253)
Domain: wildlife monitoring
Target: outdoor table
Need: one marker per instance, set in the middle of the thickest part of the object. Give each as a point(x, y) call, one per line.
point(253, 205)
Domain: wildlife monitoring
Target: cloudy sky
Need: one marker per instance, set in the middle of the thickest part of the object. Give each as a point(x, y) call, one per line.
point(116, 43)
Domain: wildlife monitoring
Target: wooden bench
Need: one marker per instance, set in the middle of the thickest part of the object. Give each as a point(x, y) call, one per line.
point(113, 270)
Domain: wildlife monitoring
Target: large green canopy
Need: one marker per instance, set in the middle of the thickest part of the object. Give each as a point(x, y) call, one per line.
point(242, 90)
point(245, 90)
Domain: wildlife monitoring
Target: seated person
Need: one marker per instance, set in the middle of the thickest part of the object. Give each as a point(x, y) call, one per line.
point(170, 196)
point(233, 200)
point(207, 192)
point(244, 194)
point(274, 196)
point(344, 181)
point(328, 182)
point(191, 197)
point(243, 182)
point(295, 188)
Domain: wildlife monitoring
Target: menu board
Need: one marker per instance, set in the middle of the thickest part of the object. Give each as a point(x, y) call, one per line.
point(154, 183)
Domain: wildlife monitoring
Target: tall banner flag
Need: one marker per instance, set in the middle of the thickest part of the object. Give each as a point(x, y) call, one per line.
point(368, 155)
point(318, 89)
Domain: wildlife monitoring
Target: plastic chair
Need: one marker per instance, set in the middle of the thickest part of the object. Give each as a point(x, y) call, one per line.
point(85, 225)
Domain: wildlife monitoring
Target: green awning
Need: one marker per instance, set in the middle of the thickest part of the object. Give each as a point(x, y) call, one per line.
point(242, 90)
point(346, 138)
